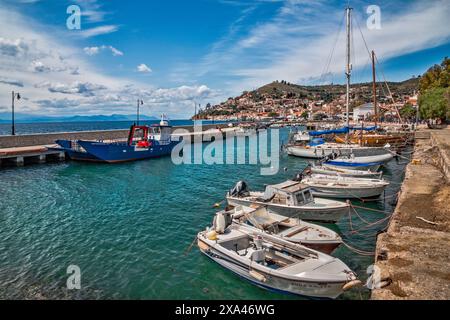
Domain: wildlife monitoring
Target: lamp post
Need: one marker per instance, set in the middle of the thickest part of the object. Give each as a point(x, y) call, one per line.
point(15, 95)
point(139, 103)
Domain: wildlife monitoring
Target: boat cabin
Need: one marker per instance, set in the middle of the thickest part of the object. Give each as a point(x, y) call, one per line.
point(291, 193)
point(144, 136)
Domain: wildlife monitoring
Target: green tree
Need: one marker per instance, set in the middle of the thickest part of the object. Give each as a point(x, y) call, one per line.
point(408, 111)
point(273, 114)
point(434, 98)
point(435, 103)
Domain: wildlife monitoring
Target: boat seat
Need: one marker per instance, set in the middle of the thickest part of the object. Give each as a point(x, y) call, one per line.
point(293, 231)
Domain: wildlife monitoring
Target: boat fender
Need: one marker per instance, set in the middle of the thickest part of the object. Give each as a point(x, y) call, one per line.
point(203, 246)
point(351, 284)
point(212, 235)
point(258, 276)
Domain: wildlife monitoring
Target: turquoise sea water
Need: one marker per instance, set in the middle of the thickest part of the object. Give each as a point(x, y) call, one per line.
point(128, 227)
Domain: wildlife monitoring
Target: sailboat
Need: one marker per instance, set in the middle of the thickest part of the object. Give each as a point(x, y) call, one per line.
point(374, 139)
point(325, 149)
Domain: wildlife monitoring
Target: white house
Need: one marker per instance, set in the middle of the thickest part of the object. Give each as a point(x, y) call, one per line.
point(363, 111)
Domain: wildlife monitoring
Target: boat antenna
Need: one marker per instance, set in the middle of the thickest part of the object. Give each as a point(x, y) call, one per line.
point(348, 72)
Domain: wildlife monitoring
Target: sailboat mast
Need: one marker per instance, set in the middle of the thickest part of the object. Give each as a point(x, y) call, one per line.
point(375, 108)
point(349, 66)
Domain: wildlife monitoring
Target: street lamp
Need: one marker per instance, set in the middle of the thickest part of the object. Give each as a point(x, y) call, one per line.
point(139, 103)
point(15, 95)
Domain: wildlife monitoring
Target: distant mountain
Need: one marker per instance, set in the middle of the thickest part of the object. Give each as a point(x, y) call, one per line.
point(5, 117)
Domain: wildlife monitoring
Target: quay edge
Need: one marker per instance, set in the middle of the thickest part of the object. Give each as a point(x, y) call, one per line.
point(413, 256)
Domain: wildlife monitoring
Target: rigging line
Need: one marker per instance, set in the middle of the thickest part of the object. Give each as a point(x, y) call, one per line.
point(384, 78)
point(330, 57)
point(364, 39)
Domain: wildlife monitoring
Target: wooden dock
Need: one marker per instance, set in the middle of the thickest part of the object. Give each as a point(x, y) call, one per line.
point(21, 156)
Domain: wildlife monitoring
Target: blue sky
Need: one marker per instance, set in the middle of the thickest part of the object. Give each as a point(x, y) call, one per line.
point(173, 53)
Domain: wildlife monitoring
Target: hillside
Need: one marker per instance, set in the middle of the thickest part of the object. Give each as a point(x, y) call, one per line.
point(281, 95)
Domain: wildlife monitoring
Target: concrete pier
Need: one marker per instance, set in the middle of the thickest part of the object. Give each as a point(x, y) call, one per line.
point(40, 139)
point(21, 156)
point(413, 256)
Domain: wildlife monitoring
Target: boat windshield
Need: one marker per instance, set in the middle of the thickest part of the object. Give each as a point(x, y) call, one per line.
point(308, 196)
point(300, 199)
point(156, 130)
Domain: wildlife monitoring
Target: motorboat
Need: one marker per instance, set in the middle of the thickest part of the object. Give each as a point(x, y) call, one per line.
point(261, 219)
point(326, 149)
point(344, 187)
point(143, 142)
point(344, 172)
point(372, 163)
point(289, 199)
point(301, 136)
point(275, 264)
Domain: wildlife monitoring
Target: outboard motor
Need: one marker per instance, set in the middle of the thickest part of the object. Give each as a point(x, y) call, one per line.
point(240, 190)
point(222, 220)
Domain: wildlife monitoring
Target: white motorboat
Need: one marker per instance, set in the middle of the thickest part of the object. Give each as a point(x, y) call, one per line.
point(344, 187)
point(301, 136)
point(245, 131)
point(289, 199)
point(275, 264)
point(344, 172)
point(328, 149)
point(261, 219)
point(372, 163)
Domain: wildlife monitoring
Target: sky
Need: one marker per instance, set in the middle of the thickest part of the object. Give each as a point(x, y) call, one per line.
point(173, 54)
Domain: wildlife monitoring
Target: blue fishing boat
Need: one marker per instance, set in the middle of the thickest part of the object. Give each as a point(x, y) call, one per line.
point(143, 142)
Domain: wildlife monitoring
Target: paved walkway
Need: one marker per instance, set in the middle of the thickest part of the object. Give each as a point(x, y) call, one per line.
point(414, 255)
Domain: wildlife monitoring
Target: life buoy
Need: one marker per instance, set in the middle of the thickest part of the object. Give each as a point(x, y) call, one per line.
point(143, 144)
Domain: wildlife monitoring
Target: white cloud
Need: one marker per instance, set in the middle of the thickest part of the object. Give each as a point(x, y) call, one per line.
point(143, 68)
point(11, 82)
point(92, 51)
point(38, 66)
point(295, 43)
point(96, 31)
point(13, 48)
point(83, 88)
point(71, 84)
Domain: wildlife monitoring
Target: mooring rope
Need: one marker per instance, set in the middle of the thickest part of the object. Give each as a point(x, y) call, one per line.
point(358, 251)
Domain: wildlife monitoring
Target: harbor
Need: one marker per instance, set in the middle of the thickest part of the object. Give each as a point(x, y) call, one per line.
point(121, 181)
point(110, 222)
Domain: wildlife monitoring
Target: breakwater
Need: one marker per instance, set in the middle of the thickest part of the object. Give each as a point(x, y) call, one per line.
point(412, 256)
point(49, 138)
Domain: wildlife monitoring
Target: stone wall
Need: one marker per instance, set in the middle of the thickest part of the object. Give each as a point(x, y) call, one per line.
point(49, 138)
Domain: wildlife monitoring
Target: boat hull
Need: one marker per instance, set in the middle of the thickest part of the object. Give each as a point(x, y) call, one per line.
point(326, 150)
point(374, 166)
point(346, 172)
point(122, 152)
point(374, 140)
point(348, 193)
point(326, 215)
point(372, 163)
